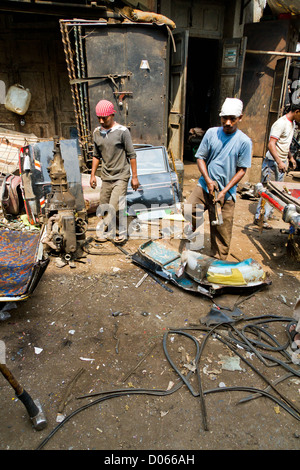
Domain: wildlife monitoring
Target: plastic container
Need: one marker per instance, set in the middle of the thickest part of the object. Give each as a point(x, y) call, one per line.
point(17, 99)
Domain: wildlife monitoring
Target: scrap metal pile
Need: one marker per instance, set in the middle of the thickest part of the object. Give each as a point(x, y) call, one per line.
point(53, 195)
point(285, 198)
point(54, 221)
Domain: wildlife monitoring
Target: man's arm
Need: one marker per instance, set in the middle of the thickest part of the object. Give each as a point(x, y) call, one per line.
point(134, 179)
point(273, 151)
point(131, 154)
point(211, 184)
point(93, 180)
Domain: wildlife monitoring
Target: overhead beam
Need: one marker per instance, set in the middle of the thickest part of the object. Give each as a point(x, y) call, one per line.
point(57, 9)
point(285, 54)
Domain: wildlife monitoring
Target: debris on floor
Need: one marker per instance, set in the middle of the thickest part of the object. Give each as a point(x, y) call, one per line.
point(248, 339)
point(230, 362)
point(229, 335)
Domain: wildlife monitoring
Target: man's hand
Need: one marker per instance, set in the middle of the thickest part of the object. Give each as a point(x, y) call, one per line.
point(293, 163)
point(220, 197)
point(211, 186)
point(93, 182)
point(135, 183)
point(281, 166)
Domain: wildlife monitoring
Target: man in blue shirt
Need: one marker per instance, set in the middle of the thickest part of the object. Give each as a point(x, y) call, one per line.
point(222, 158)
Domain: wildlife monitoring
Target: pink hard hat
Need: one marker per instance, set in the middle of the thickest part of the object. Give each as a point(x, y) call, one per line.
point(104, 108)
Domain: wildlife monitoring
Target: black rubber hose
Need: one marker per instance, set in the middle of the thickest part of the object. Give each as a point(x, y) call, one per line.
point(263, 356)
point(291, 404)
point(157, 393)
point(252, 389)
point(197, 360)
point(290, 407)
point(227, 343)
point(183, 378)
point(113, 394)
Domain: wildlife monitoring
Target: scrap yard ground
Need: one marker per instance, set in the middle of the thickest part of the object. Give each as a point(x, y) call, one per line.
point(64, 343)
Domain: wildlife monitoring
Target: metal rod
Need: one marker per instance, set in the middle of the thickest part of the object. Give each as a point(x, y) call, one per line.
point(285, 54)
point(63, 29)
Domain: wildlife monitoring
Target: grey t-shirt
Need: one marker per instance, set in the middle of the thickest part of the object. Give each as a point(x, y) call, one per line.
point(115, 149)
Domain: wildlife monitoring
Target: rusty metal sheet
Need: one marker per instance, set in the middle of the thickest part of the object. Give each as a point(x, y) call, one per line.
point(131, 58)
point(258, 79)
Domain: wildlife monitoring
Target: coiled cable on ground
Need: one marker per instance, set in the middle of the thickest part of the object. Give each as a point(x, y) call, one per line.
point(284, 402)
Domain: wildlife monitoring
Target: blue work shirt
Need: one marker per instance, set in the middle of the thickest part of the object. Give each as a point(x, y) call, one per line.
point(224, 154)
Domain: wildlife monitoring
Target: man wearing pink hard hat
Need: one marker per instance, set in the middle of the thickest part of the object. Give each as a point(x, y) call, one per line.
point(114, 148)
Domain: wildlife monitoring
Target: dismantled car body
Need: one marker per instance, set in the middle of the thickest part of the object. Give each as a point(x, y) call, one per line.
point(199, 273)
point(159, 184)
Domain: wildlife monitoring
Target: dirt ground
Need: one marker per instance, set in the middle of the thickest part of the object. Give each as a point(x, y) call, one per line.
point(64, 343)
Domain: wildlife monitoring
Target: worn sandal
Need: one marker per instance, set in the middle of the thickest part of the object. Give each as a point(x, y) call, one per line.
point(101, 239)
point(120, 239)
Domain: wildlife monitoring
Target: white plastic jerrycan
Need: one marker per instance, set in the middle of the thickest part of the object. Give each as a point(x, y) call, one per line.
point(17, 99)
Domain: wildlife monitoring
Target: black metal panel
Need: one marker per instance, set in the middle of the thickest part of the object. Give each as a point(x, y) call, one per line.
point(117, 54)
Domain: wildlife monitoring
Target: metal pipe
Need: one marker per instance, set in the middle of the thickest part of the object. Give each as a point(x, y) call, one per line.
point(273, 200)
point(289, 211)
point(284, 54)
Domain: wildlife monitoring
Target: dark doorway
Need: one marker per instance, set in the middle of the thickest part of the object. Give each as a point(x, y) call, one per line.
point(202, 66)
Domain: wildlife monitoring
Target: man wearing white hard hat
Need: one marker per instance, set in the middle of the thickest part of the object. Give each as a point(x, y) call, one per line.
point(113, 146)
point(223, 157)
